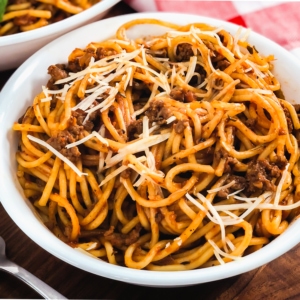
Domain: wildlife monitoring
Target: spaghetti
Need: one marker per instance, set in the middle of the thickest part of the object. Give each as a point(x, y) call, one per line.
point(170, 152)
point(20, 16)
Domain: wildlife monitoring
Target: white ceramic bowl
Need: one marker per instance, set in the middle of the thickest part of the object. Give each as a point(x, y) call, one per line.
point(18, 93)
point(16, 48)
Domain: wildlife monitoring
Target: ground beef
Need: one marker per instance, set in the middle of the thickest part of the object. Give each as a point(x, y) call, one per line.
point(165, 113)
point(80, 116)
point(239, 184)
point(217, 59)
point(120, 240)
point(219, 62)
point(250, 123)
point(189, 97)
point(24, 20)
point(81, 62)
point(65, 137)
point(181, 95)
point(102, 52)
point(180, 126)
point(126, 174)
point(158, 112)
point(281, 162)
point(259, 175)
point(73, 66)
point(230, 162)
point(135, 128)
point(56, 72)
point(75, 131)
point(184, 51)
point(223, 193)
point(177, 94)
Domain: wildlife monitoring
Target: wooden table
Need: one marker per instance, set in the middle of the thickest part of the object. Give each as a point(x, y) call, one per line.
point(276, 280)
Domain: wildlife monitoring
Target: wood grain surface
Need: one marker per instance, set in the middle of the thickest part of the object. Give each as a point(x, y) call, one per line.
point(277, 280)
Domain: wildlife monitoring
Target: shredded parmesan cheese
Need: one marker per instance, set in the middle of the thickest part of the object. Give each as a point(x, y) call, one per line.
point(171, 119)
point(58, 154)
point(221, 187)
point(178, 240)
point(218, 250)
point(88, 137)
point(280, 184)
point(138, 146)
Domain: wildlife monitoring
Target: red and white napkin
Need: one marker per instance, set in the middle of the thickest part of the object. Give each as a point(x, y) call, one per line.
point(277, 20)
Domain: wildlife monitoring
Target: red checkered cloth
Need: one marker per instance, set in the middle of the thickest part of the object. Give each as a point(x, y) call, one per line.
point(277, 20)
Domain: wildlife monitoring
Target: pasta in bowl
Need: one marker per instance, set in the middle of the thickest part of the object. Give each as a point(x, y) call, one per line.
point(27, 26)
point(26, 16)
point(167, 152)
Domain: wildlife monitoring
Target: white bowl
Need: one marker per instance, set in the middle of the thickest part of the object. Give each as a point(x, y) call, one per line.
point(18, 94)
point(16, 48)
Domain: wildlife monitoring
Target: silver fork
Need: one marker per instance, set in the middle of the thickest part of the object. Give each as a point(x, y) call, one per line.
point(39, 286)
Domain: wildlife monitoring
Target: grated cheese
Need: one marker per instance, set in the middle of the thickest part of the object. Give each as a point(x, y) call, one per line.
point(140, 181)
point(234, 193)
point(142, 173)
point(103, 105)
point(46, 93)
point(221, 187)
point(280, 184)
point(230, 244)
point(102, 154)
point(219, 258)
point(129, 77)
point(64, 92)
point(216, 215)
point(210, 63)
point(178, 240)
point(113, 174)
point(85, 103)
point(144, 57)
point(101, 162)
point(171, 119)
point(262, 205)
point(88, 137)
point(173, 76)
point(219, 251)
point(108, 156)
point(137, 146)
point(92, 246)
point(254, 205)
point(235, 42)
point(191, 69)
point(255, 69)
point(58, 154)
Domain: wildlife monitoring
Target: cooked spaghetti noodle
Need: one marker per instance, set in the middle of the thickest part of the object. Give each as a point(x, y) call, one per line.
point(26, 15)
point(169, 152)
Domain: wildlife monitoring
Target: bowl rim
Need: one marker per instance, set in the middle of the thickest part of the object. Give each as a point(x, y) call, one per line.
point(53, 28)
point(140, 277)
